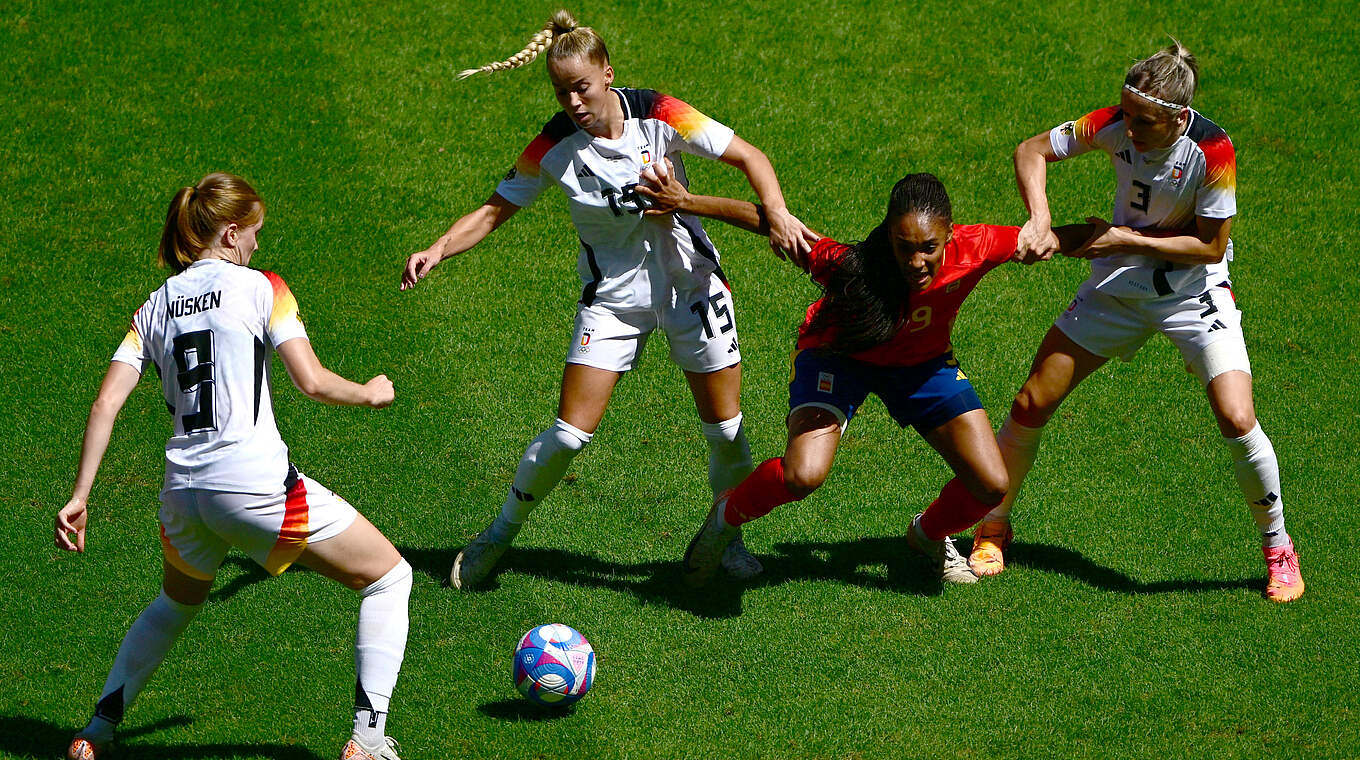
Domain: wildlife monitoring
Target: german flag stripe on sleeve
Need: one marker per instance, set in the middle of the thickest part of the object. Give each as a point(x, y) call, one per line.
point(132, 341)
point(285, 305)
point(686, 119)
point(554, 132)
point(528, 161)
point(1088, 125)
point(1220, 161)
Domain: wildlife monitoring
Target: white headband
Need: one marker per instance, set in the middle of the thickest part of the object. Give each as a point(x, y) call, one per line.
point(1158, 101)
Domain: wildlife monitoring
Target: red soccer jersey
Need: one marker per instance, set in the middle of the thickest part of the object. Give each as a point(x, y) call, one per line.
point(975, 250)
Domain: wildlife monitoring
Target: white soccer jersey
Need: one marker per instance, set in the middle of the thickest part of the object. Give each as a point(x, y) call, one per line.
point(1162, 189)
point(627, 261)
point(209, 331)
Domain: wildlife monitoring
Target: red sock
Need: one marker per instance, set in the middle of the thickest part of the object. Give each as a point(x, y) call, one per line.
point(953, 511)
point(760, 492)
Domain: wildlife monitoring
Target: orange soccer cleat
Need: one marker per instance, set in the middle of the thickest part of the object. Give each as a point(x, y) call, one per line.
point(990, 539)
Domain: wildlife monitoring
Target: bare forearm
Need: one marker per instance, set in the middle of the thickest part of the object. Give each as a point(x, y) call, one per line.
point(1179, 248)
point(760, 173)
point(744, 214)
point(329, 388)
point(98, 430)
point(465, 233)
point(1031, 174)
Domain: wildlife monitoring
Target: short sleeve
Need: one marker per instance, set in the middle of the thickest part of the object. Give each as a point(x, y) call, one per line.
point(525, 181)
point(1072, 138)
point(823, 258)
point(285, 323)
point(999, 243)
point(694, 132)
point(132, 351)
point(1217, 196)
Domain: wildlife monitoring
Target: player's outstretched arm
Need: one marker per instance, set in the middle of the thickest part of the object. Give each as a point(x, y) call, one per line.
point(667, 194)
point(320, 384)
point(468, 231)
point(113, 393)
point(1037, 241)
point(788, 235)
point(1205, 243)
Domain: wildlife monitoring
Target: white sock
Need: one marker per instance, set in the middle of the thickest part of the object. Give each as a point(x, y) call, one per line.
point(1258, 474)
point(1019, 446)
point(729, 455)
point(143, 648)
point(379, 646)
point(540, 469)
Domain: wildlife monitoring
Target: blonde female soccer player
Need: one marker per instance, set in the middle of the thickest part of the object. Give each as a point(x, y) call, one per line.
point(637, 274)
point(209, 331)
point(1161, 265)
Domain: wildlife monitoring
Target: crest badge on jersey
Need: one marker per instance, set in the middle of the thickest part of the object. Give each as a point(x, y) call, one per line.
point(646, 157)
point(1177, 172)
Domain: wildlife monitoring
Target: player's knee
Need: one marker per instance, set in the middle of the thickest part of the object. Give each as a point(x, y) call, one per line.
point(1032, 407)
point(1236, 422)
point(988, 487)
point(802, 480)
point(559, 442)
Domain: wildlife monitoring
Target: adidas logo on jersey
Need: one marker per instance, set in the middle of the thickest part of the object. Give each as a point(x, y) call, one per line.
point(584, 171)
point(1124, 156)
point(1217, 325)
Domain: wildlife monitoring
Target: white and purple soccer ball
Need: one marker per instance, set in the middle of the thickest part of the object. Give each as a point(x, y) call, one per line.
point(554, 665)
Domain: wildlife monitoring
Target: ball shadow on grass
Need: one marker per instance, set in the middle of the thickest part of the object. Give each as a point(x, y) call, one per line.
point(515, 710)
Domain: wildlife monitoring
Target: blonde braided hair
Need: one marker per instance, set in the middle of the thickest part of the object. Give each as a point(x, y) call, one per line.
point(561, 37)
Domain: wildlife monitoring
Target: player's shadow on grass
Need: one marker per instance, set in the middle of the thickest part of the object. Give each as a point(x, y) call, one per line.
point(884, 563)
point(33, 738)
point(249, 573)
point(1066, 562)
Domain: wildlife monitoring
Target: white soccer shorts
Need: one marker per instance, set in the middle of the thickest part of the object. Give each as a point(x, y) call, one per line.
point(1207, 328)
point(700, 324)
point(199, 526)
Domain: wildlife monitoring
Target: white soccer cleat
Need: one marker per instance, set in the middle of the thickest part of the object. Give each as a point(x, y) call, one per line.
point(705, 551)
point(353, 750)
point(476, 561)
point(740, 563)
point(953, 566)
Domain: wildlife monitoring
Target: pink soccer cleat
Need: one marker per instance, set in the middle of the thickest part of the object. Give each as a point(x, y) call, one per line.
point(1285, 584)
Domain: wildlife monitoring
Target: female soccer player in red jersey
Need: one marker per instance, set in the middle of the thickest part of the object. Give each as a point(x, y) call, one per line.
point(637, 275)
point(1159, 265)
point(882, 326)
point(208, 331)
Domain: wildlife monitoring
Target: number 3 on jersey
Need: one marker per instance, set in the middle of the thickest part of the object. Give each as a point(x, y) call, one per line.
point(194, 371)
point(721, 311)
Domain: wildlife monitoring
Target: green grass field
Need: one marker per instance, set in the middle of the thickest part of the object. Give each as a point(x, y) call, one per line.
point(1131, 623)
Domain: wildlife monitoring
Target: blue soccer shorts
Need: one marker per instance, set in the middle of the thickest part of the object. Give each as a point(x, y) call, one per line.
point(924, 396)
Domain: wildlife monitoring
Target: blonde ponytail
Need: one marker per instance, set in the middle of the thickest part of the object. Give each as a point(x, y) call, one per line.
point(197, 213)
point(561, 37)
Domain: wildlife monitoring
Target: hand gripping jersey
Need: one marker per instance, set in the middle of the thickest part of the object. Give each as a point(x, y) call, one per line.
point(626, 261)
point(975, 250)
point(209, 331)
point(1163, 189)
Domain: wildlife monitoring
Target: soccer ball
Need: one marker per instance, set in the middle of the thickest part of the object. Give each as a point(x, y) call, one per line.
point(554, 665)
